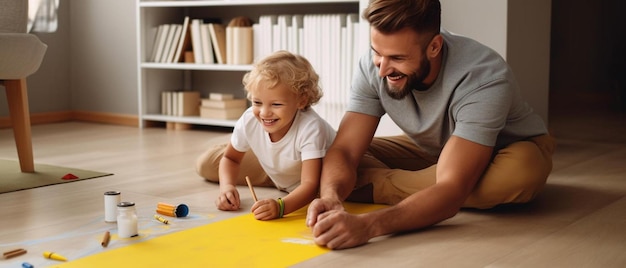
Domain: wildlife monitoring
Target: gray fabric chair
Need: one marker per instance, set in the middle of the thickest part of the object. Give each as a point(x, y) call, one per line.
point(21, 54)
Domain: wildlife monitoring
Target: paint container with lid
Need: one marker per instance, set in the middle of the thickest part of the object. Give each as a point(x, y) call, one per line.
point(126, 220)
point(111, 199)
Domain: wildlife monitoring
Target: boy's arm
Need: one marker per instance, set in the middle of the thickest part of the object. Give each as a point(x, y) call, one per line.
point(228, 172)
point(229, 165)
point(308, 188)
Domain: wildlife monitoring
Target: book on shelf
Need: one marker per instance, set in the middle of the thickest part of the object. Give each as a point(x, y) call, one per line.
point(183, 42)
point(224, 104)
point(168, 43)
point(188, 103)
point(264, 37)
point(155, 43)
point(180, 103)
point(218, 37)
point(201, 40)
point(239, 41)
point(281, 32)
point(196, 41)
point(221, 113)
point(165, 103)
point(297, 36)
point(161, 37)
point(294, 29)
point(221, 96)
point(241, 45)
point(206, 43)
point(178, 28)
point(256, 41)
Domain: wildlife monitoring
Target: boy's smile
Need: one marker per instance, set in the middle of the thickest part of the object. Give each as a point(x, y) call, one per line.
point(275, 108)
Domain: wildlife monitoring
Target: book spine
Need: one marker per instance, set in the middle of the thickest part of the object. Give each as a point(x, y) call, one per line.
point(196, 41)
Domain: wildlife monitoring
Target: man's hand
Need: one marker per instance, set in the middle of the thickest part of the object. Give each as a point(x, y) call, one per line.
point(335, 228)
point(331, 225)
point(319, 206)
point(338, 229)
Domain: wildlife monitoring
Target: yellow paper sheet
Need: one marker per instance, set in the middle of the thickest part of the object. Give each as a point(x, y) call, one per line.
point(236, 242)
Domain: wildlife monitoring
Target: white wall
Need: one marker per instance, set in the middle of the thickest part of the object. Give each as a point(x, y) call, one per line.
point(103, 62)
point(483, 20)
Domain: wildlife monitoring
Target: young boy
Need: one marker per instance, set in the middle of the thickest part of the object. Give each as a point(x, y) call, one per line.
point(280, 130)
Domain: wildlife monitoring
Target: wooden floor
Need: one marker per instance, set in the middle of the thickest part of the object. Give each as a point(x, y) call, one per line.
point(579, 220)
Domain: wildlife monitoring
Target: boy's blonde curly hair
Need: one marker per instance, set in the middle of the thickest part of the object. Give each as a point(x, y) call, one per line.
point(283, 67)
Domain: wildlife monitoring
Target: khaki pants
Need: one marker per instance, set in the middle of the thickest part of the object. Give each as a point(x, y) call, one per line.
point(397, 168)
point(208, 163)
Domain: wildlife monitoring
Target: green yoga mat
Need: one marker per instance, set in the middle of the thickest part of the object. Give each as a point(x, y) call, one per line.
point(13, 179)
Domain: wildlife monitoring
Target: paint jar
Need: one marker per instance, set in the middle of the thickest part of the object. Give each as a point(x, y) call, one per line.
point(111, 199)
point(126, 220)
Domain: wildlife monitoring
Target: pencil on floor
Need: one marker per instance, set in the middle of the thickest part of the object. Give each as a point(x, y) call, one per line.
point(251, 189)
point(13, 253)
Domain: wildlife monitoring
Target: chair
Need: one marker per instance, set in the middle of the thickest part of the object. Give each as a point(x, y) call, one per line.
point(21, 54)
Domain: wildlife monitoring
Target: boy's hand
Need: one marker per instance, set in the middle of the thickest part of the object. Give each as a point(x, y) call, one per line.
point(228, 198)
point(266, 209)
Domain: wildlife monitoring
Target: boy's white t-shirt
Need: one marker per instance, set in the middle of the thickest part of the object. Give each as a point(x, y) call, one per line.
point(308, 138)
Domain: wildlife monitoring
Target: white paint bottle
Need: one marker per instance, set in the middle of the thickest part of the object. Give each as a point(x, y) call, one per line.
point(111, 199)
point(126, 220)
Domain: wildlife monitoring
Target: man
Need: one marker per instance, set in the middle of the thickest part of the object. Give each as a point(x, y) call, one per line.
point(471, 141)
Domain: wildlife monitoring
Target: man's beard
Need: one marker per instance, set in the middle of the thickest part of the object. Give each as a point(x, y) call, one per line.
point(415, 81)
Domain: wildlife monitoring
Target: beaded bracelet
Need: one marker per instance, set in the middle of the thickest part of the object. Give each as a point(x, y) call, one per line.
point(281, 207)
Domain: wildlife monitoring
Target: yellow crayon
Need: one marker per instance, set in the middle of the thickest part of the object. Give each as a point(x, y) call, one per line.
point(161, 219)
point(53, 256)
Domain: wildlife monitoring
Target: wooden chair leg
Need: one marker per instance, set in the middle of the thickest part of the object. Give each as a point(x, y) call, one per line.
point(17, 97)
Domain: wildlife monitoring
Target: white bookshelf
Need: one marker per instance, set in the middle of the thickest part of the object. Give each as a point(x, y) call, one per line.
point(223, 78)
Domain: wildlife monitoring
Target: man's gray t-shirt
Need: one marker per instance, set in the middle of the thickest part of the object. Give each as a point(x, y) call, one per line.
point(475, 97)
